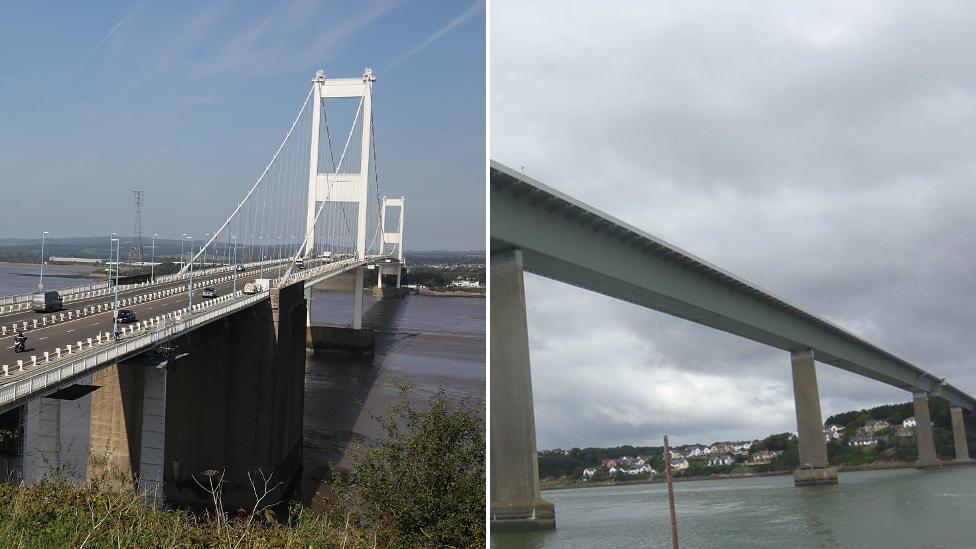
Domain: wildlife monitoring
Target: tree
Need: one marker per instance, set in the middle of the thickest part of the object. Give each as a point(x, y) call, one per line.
point(423, 483)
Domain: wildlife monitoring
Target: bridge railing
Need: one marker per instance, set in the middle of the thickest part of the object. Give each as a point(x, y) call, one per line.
point(30, 386)
point(66, 292)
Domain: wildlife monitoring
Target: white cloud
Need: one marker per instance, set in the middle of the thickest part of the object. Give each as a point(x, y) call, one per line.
point(822, 152)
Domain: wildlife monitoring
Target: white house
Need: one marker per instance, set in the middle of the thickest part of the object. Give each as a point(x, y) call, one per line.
point(679, 464)
point(461, 283)
point(832, 432)
point(875, 425)
point(863, 440)
point(715, 460)
point(909, 422)
point(588, 473)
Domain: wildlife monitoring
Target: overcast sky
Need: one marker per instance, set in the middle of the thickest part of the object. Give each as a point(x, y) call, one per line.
point(824, 151)
point(188, 101)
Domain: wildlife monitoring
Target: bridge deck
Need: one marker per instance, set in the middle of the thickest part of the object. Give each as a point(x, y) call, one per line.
point(49, 375)
point(564, 239)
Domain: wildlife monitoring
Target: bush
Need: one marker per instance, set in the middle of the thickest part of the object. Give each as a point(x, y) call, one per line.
point(423, 483)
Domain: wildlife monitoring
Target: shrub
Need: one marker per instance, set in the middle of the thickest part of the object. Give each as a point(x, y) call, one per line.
point(423, 483)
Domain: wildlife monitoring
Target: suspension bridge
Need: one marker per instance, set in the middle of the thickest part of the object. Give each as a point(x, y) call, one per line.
point(214, 383)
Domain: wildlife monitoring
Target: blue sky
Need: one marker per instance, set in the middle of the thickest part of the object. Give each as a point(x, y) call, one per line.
point(188, 100)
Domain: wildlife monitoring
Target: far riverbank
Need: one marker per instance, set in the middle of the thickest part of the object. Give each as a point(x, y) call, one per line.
point(876, 466)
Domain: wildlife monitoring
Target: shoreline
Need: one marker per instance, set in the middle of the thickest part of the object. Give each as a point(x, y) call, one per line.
point(431, 293)
point(875, 466)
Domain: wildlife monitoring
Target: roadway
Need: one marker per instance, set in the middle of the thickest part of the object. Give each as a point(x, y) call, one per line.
point(79, 328)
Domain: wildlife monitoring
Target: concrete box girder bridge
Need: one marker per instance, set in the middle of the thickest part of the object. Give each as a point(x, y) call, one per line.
point(538, 229)
point(231, 368)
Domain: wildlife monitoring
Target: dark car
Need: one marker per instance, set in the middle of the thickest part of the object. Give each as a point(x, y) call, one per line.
point(126, 316)
point(240, 268)
point(209, 292)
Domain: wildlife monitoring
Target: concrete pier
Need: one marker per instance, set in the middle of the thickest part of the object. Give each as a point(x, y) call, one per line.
point(514, 485)
point(338, 338)
point(959, 434)
point(923, 432)
point(813, 468)
point(227, 399)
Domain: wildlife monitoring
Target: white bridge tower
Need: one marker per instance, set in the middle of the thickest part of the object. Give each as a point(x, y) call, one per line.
point(344, 186)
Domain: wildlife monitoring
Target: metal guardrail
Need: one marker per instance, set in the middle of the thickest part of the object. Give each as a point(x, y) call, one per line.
point(29, 386)
point(14, 299)
point(69, 293)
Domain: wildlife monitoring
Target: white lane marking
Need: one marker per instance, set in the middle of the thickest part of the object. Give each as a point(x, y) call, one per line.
point(42, 338)
point(69, 331)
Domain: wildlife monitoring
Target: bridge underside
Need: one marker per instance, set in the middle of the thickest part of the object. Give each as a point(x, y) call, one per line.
point(535, 228)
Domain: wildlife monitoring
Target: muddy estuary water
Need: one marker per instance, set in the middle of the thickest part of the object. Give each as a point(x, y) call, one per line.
point(427, 342)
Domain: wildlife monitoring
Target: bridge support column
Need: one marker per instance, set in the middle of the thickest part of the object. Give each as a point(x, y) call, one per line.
point(959, 434)
point(515, 501)
point(923, 432)
point(357, 300)
point(379, 276)
point(152, 452)
point(308, 307)
point(813, 468)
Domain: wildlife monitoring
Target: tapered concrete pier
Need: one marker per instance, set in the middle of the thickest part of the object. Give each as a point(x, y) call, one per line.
point(515, 501)
point(959, 435)
point(813, 468)
point(923, 432)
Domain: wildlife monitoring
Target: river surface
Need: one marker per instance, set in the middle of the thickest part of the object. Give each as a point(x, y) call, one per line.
point(894, 508)
point(427, 342)
point(18, 279)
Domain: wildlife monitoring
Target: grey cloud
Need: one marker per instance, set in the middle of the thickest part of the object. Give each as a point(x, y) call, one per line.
point(822, 152)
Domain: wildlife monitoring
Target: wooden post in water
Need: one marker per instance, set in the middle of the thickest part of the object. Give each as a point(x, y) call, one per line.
point(667, 469)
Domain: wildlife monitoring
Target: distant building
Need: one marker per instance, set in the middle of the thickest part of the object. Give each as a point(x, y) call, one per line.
point(875, 425)
point(832, 432)
point(763, 456)
point(588, 473)
point(716, 460)
point(863, 440)
point(462, 283)
point(679, 464)
point(85, 260)
point(909, 422)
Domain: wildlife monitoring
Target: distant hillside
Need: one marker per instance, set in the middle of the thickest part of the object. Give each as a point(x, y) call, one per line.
point(891, 445)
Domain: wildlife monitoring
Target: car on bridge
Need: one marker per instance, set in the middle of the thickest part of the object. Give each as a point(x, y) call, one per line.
point(209, 292)
point(126, 316)
point(45, 302)
point(240, 268)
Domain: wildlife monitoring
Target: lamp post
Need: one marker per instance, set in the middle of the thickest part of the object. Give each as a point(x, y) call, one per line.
point(115, 315)
point(40, 283)
point(152, 262)
point(190, 291)
point(279, 256)
point(110, 241)
point(205, 250)
point(182, 263)
point(234, 263)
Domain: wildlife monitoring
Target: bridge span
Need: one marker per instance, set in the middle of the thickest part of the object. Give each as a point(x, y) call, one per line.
point(213, 384)
point(538, 229)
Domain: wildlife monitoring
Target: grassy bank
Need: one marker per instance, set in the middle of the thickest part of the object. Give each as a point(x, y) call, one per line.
point(421, 485)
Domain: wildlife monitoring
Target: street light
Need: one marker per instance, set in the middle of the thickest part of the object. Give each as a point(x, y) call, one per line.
point(182, 262)
point(234, 263)
point(190, 291)
point(279, 256)
point(40, 283)
point(110, 241)
point(205, 251)
point(115, 316)
point(152, 262)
